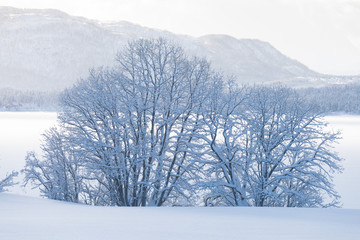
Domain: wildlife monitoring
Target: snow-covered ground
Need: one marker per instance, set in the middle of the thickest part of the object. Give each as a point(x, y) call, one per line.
point(36, 219)
point(348, 148)
point(21, 132)
point(24, 217)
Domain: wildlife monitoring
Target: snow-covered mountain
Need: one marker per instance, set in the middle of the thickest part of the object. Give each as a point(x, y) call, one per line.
point(49, 50)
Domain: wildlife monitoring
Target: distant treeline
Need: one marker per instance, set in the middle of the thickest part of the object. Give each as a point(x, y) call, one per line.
point(337, 98)
point(17, 100)
point(332, 99)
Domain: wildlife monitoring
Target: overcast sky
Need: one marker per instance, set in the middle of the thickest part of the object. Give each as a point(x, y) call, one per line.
point(322, 34)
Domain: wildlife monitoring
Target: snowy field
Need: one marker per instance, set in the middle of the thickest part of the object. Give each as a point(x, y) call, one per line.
point(21, 132)
point(40, 219)
point(349, 149)
point(25, 217)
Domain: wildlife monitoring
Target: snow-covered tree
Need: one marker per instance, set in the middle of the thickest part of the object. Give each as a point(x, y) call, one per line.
point(8, 181)
point(344, 98)
point(163, 129)
point(58, 172)
point(17, 100)
point(223, 129)
point(274, 152)
point(290, 151)
point(136, 124)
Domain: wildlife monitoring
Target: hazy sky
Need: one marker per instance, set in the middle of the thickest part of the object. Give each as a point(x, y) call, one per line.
point(322, 34)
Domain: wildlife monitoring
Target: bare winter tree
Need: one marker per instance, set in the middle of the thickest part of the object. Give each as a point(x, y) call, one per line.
point(277, 150)
point(57, 173)
point(8, 181)
point(223, 128)
point(152, 130)
point(292, 156)
point(136, 124)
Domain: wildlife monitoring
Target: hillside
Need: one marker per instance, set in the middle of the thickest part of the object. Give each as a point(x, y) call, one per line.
point(36, 219)
point(43, 50)
point(50, 50)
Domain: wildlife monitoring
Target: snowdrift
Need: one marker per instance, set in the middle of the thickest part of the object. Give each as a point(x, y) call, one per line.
point(36, 219)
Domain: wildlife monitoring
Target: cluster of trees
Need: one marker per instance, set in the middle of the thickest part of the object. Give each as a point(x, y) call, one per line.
point(164, 129)
point(344, 98)
point(336, 98)
point(17, 100)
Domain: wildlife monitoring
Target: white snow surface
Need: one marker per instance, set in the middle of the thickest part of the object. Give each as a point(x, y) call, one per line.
point(21, 132)
point(348, 182)
point(33, 218)
point(36, 219)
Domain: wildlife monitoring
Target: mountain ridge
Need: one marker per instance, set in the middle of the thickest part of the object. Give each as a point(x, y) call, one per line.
point(50, 50)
